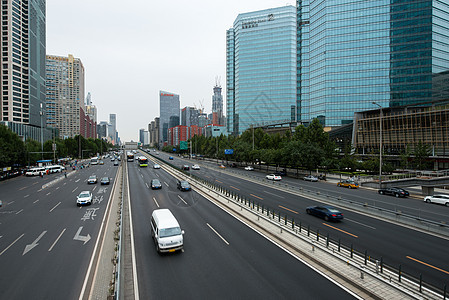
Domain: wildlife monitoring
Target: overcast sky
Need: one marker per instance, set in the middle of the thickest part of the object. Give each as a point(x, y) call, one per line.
point(133, 49)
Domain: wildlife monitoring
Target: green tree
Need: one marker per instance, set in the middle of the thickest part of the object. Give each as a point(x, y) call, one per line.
point(11, 148)
point(421, 153)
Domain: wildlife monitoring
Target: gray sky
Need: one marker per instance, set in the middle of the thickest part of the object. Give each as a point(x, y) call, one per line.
point(132, 49)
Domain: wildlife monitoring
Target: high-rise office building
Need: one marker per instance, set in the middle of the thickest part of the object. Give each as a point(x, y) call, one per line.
point(261, 68)
point(169, 114)
point(102, 130)
point(22, 88)
point(113, 136)
point(91, 109)
point(354, 53)
point(217, 106)
point(65, 94)
point(154, 131)
point(189, 116)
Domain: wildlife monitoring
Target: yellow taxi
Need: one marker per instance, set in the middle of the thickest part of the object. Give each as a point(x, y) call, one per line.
point(348, 183)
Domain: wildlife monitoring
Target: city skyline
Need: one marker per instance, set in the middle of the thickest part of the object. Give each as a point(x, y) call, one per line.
point(154, 59)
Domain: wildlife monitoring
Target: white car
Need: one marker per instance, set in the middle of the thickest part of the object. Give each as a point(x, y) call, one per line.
point(310, 178)
point(156, 166)
point(92, 179)
point(273, 177)
point(84, 198)
point(439, 199)
point(195, 167)
point(249, 168)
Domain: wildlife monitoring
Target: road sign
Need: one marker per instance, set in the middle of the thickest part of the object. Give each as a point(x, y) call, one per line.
point(229, 151)
point(183, 145)
point(174, 149)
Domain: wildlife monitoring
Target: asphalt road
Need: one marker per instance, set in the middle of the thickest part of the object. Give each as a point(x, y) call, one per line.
point(222, 257)
point(416, 252)
point(46, 241)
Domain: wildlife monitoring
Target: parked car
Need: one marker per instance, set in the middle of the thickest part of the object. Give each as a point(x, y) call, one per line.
point(183, 185)
point(273, 177)
point(156, 166)
point(92, 179)
point(155, 184)
point(84, 198)
point(186, 167)
point(195, 167)
point(394, 191)
point(327, 212)
point(249, 168)
point(310, 178)
point(439, 199)
point(348, 183)
point(104, 180)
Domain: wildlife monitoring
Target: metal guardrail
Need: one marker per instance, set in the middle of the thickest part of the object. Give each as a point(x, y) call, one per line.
point(121, 239)
point(359, 258)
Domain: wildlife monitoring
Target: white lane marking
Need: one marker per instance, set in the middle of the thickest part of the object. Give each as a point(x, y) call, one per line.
point(166, 183)
point(57, 188)
point(94, 188)
point(157, 175)
point(26, 196)
point(147, 185)
point(182, 200)
point(29, 247)
point(141, 175)
point(57, 239)
point(36, 201)
point(11, 202)
point(155, 201)
point(55, 207)
point(75, 189)
point(360, 223)
point(65, 183)
point(77, 180)
point(273, 194)
point(19, 211)
point(48, 194)
point(218, 234)
point(12, 244)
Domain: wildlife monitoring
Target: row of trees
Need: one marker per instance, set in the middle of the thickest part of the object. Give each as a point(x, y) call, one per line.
point(16, 153)
point(308, 148)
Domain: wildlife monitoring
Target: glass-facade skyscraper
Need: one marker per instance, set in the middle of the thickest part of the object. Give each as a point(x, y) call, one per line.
point(358, 52)
point(261, 69)
point(169, 114)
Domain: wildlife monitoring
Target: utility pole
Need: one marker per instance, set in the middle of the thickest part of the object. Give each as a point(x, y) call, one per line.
point(380, 143)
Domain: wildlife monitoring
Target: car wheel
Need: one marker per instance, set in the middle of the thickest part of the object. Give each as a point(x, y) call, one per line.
point(447, 204)
point(349, 187)
point(396, 195)
point(157, 248)
point(428, 200)
point(308, 211)
point(381, 192)
point(326, 218)
point(78, 204)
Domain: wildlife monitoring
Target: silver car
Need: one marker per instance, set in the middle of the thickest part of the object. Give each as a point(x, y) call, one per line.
point(439, 199)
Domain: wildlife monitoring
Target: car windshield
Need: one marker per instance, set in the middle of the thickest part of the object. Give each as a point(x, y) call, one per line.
point(184, 184)
point(92, 177)
point(156, 181)
point(104, 179)
point(166, 232)
point(84, 195)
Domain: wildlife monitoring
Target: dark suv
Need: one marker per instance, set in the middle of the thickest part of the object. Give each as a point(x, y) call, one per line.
point(183, 185)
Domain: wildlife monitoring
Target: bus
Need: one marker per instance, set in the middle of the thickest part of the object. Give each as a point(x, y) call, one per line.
point(130, 156)
point(143, 161)
point(94, 161)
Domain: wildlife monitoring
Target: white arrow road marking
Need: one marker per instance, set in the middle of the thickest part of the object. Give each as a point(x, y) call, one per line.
point(79, 237)
point(33, 244)
point(77, 180)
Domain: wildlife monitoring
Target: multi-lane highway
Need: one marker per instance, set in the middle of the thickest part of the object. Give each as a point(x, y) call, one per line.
point(46, 241)
point(417, 252)
point(222, 257)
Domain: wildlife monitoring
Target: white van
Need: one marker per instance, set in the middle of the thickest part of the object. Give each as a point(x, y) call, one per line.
point(35, 171)
point(55, 169)
point(165, 231)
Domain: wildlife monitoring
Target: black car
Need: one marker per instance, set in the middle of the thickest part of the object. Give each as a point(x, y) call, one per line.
point(105, 180)
point(394, 191)
point(183, 185)
point(280, 173)
point(326, 212)
point(185, 167)
point(155, 184)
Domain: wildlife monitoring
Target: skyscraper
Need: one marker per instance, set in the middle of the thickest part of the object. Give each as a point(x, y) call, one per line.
point(113, 129)
point(65, 94)
point(354, 53)
point(169, 114)
point(22, 87)
point(261, 69)
point(217, 106)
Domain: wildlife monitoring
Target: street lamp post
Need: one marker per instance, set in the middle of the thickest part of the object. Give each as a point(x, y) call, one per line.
point(42, 135)
point(380, 143)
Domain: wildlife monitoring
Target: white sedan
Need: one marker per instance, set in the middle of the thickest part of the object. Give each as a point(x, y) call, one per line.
point(273, 177)
point(195, 167)
point(249, 168)
point(84, 198)
point(439, 199)
point(156, 166)
point(311, 178)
